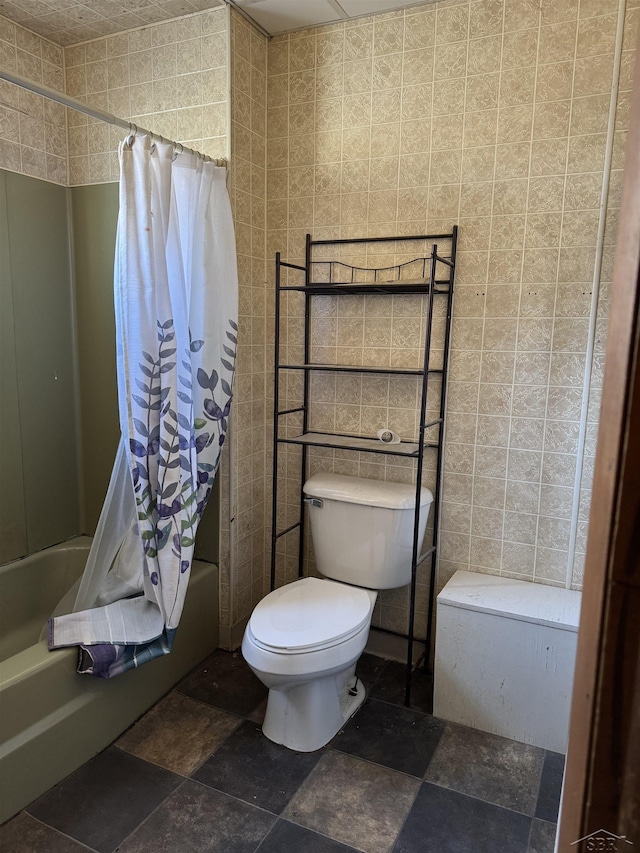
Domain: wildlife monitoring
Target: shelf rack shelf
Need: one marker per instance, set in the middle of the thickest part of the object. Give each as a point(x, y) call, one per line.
point(355, 368)
point(362, 443)
point(348, 289)
point(423, 279)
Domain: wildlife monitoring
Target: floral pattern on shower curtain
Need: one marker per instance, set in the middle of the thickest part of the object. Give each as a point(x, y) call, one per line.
point(175, 284)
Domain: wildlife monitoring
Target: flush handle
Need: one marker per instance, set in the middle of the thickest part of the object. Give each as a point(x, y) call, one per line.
point(314, 502)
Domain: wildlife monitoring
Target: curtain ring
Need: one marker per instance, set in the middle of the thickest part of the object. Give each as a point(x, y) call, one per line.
point(177, 153)
point(133, 130)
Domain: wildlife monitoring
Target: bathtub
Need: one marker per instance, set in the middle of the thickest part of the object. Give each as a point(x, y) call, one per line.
point(52, 720)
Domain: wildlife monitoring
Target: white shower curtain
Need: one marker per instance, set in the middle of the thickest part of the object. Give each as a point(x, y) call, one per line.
point(176, 307)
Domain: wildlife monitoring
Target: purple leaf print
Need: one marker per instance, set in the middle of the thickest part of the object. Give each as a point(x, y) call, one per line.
point(184, 565)
point(136, 448)
point(166, 511)
point(140, 426)
point(169, 490)
point(201, 442)
point(213, 410)
point(184, 443)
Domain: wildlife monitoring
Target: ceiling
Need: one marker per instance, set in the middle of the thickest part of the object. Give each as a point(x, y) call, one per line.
point(70, 21)
point(278, 16)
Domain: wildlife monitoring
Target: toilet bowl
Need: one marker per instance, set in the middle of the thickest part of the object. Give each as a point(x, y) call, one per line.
point(309, 666)
point(304, 639)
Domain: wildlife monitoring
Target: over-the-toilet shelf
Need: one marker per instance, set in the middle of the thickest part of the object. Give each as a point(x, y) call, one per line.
point(430, 276)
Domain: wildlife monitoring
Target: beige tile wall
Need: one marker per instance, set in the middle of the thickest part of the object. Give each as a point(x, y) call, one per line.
point(488, 114)
point(243, 556)
point(33, 133)
point(492, 115)
point(621, 125)
point(170, 78)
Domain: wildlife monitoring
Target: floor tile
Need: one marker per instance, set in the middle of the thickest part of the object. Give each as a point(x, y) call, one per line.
point(550, 787)
point(103, 801)
point(24, 834)
point(196, 819)
point(353, 801)
point(492, 768)
point(287, 837)
point(257, 715)
point(444, 821)
point(369, 668)
point(225, 681)
point(201, 729)
point(543, 836)
point(252, 768)
point(390, 686)
point(397, 737)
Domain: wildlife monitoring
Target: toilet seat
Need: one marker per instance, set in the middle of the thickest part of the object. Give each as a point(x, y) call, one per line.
point(309, 615)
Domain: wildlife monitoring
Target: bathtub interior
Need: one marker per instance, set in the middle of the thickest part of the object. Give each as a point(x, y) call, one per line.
point(30, 592)
point(53, 720)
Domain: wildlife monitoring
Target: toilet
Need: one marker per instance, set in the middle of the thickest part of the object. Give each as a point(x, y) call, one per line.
point(304, 639)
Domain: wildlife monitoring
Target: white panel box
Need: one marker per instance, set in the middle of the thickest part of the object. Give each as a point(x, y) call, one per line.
point(505, 657)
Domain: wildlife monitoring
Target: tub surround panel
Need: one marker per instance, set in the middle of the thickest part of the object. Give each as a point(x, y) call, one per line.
point(44, 464)
point(94, 218)
point(13, 524)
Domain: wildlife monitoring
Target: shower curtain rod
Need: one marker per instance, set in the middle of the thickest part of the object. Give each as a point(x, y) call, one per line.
point(109, 118)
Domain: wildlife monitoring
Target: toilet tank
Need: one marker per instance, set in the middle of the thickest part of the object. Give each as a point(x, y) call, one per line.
point(362, 530)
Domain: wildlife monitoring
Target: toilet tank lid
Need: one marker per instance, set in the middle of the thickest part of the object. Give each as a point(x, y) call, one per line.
point(356, 490)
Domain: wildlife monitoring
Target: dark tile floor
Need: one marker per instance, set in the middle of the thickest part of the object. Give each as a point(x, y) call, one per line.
point(196, 774)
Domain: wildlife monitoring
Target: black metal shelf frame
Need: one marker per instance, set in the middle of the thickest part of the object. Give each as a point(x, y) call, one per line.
point(430, 287)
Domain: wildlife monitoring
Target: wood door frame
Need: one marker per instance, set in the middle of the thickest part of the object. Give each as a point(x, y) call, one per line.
point(602, 779)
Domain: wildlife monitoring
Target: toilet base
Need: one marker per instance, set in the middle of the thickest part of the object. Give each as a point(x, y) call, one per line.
point(307, 716)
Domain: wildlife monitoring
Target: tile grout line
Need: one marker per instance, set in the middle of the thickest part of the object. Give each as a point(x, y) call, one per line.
point(58, 831)
point(151, 813)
